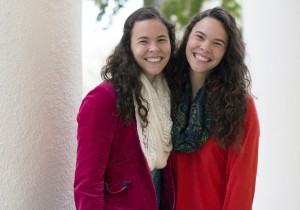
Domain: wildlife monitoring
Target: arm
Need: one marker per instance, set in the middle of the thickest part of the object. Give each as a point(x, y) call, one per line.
point(242, 167)
point(96, 124)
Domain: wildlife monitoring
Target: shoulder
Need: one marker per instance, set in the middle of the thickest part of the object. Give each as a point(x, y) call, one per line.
point(105, 89)
point(251, 120)
point(102, 92)
point(101, 98)
point(251, 108)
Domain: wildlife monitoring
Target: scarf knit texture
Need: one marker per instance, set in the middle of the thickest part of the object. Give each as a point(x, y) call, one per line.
point(191, 126)
point(155, 139)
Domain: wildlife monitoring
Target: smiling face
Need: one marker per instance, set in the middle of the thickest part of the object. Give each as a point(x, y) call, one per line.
point(206, 46)
point(150, 46)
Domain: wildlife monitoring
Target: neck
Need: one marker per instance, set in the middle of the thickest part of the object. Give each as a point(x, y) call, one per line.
point(150, 77)
point(197, 81)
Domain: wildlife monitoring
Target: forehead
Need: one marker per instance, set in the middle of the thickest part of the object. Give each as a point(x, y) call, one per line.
point(211, 27)
point(149, 27)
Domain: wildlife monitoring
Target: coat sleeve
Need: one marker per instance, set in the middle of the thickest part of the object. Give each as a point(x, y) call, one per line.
point(97, 121)
point(242, 166)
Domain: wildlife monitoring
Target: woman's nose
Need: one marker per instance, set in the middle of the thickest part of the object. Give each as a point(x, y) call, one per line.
point(205, 46)
point(153, 47)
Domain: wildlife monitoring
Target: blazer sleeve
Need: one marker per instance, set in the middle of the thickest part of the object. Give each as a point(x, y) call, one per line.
point(242, 167)
point(97, 121)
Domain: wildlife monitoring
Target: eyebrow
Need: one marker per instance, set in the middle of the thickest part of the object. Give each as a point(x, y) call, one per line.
point(219, 40)
point(161, 36)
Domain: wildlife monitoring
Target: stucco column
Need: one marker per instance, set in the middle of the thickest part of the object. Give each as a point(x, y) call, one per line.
point(272, 31)
point(40, 91)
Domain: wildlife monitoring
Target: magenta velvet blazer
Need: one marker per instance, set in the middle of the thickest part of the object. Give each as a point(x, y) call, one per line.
point(111, 170)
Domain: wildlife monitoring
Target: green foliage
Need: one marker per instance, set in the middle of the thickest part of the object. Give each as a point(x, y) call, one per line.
point(149, 2)
point(178, 11)
point(103, 5)
point(233, 6)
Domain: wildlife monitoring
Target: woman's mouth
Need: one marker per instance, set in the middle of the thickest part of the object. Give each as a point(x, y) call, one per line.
point(201, 58)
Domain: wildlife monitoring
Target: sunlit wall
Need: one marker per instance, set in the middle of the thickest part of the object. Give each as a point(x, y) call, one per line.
point(40, 91)
point(272, 31)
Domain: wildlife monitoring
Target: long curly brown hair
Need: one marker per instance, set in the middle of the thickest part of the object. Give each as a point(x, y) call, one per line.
point(123, 72)
point(228, 84)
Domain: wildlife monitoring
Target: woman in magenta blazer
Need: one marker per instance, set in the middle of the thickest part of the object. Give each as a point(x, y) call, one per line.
point(124, 123)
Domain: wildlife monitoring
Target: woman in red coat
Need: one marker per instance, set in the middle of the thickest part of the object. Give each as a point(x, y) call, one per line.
point(124, 124)
point(215, 129)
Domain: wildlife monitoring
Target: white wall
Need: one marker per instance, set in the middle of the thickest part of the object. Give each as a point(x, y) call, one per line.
point(272, 34)
point(40, 91)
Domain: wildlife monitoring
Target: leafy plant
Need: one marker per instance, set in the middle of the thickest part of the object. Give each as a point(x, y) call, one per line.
point(178, 11)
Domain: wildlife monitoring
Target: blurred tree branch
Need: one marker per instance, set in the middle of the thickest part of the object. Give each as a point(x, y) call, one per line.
point(178, 11)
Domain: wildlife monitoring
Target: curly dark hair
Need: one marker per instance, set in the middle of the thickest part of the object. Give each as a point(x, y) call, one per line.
point(123, 72)
point(228, 85)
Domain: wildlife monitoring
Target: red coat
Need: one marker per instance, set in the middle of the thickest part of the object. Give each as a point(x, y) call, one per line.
point(111, 169)
point(217, 179)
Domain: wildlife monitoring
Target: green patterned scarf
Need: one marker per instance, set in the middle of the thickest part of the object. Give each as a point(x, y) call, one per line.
point(191, 125)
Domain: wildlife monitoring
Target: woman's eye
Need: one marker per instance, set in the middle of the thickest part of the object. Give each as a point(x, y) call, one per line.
point(200, 37)
point(162, 40)
point(218, 44)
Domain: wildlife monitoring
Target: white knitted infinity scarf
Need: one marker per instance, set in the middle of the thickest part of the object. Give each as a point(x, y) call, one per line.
point(155, 139)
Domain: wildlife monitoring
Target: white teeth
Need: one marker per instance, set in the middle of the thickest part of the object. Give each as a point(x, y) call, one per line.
point(153, 59)
point(201, 58)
